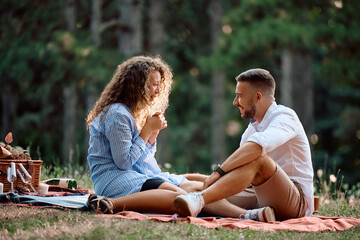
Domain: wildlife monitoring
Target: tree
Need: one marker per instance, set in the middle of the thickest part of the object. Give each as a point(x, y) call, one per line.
point(156, 36)
point(41, 58)
point(69, 90)
point(218, 151)
point(130, 40)
point(305, 44)
point(296, 68)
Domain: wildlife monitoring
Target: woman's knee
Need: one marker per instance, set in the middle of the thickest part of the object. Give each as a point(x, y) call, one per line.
point(172, 187)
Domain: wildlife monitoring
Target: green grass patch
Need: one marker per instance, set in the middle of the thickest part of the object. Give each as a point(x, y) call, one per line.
point(49, 223)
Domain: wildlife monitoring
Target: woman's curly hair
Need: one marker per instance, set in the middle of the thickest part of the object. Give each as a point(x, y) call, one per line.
point(129, 86)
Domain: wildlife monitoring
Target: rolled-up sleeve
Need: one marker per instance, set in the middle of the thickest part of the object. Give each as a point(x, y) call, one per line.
point(125, 148)
point(152, 148)
point(280, 130)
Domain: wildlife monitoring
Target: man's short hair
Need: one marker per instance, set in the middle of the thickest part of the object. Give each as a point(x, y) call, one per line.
point(258, 77)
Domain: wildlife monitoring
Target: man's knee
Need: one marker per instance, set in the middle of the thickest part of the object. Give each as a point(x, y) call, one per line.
point(265, 161)
point(265, 167)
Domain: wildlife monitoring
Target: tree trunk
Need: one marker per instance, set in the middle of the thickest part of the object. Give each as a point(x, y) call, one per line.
point(70, 100)
point(156, 45)
point(90, 89)
point(96, 22)
point(297, 87)
point(8, 111)
point(156, 27)
point(69, 123)
point(130, 34)
point(70, 15)
point(91, 95)
point(218, 88)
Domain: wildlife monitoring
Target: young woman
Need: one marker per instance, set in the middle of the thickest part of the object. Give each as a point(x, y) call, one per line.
point(123, 127)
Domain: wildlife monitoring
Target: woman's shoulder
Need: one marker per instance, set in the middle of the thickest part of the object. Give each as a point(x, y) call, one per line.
point(118, 110)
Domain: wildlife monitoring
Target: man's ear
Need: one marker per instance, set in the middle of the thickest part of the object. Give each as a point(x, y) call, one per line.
point(258, 96)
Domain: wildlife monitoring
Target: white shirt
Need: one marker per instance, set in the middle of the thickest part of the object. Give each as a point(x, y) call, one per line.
point(282, 137)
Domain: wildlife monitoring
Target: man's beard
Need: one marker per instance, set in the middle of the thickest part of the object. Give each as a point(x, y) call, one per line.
point(250, 113)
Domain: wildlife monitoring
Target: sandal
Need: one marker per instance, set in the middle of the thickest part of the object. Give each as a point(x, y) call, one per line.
point(91, 207)
point(100, 203)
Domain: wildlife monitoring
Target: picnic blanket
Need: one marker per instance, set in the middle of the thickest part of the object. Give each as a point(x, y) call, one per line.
point(77, 200)
point(304, 224)
point(62, 199)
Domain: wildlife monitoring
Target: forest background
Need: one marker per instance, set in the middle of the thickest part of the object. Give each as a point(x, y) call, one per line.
point(57, 56)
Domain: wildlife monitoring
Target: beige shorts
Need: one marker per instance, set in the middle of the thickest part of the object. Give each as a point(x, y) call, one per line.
point(278, 192)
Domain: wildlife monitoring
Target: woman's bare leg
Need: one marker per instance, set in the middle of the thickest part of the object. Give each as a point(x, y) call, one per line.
point(154, 201)
point(161, 200)
point(172, 187)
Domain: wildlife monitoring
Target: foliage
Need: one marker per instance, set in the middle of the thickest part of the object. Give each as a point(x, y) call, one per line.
point(189, 110)
point(40, 58)
point(331, 187)
point(260, 30)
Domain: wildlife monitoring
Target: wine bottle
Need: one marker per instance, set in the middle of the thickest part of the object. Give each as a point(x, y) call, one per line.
point(62, 182)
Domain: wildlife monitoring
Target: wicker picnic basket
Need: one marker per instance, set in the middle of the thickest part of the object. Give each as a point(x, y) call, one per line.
point(32, 166)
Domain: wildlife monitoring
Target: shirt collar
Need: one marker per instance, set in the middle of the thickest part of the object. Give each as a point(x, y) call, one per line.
point(266, 116)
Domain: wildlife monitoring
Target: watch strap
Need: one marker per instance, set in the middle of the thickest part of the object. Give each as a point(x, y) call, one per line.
point(219, 170)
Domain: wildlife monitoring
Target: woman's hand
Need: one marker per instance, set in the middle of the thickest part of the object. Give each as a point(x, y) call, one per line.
point(195, 177)
point(153, 137)
point(153, 125)
point(156, 122)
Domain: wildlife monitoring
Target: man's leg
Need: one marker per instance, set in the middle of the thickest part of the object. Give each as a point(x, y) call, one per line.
point(246, 199)
point(255, 172)
point(222, 208)
point(237, 180)
point(282, 194)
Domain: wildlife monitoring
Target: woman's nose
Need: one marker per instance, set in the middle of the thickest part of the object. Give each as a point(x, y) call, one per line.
point(157, 90)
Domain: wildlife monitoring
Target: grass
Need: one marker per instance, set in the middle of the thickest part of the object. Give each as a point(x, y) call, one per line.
point(48, 223)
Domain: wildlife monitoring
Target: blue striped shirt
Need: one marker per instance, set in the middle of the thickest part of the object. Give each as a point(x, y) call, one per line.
point(120, 161)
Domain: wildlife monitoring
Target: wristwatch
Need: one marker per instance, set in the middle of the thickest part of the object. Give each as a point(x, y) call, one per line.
point(218, 169)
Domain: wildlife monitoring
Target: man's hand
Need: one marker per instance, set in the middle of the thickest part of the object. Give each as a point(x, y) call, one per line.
point(211, 179)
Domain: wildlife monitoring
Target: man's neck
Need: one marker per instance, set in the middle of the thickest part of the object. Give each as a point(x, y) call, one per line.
point(261, 110)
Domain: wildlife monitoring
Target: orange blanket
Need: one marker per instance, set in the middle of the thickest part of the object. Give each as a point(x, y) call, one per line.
point(305, 224)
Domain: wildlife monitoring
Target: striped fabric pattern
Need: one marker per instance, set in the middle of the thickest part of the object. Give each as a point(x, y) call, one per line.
point(120, 161)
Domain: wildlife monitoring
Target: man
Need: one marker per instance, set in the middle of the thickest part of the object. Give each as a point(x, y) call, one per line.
point(274, 157)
